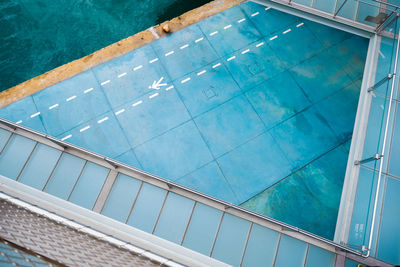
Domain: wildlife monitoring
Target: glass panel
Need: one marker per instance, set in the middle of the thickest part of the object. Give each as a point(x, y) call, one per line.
point(174, 218)
point(389, 245)
point(327, 6)
point(261, 248)
point(89, 185)
point(291, 252)
point(319, 257)
point(303, 2)
point(121, 198)
point(4, 136)
point(147, 207)
point(231, 240)
point(367, 10)
point(202, 229)
point(348, 10)
point(64, 176)
point(39, 166)
point(15, 155)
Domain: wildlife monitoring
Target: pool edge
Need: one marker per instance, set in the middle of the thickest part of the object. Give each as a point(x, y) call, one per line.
point(112, 51)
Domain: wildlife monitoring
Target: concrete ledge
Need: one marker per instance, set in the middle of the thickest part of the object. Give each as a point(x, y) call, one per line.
point(112, 51)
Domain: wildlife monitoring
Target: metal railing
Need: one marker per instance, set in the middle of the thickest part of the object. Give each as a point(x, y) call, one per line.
point(380, 93)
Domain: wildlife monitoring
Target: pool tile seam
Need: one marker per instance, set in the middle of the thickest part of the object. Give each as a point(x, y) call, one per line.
point(293, 172)
point(273, 33)
point(40, 117)
point(205, 142)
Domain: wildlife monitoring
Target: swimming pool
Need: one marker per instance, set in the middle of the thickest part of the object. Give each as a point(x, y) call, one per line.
point(233, 106)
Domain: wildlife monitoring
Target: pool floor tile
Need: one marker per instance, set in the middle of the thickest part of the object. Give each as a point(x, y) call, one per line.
point(256, 65)
point(209, 180)
point(26, 111)
point(229, 125)
point(167, 155)
point(130, 75)
point(304, 137)
point(290, 50)
point(316, 189)
point(268, 21)
point(318, 79)
point(328, 36)
point(226, 34)
point(277, 99)
point(102, 135)
point(179, 62)
point(129, 158)
point(65, 105)
point(263, 165)
point(340, 109)
point(151, 115)
point(350, 55)
point(207, 88)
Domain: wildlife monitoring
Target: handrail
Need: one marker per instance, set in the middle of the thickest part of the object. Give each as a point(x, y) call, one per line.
point(368, 249)
point(17, 127)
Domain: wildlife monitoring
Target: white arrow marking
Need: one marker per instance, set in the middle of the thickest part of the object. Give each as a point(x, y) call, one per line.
point(156, 85)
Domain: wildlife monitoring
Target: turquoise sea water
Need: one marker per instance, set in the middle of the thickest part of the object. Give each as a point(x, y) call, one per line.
point(39, 35)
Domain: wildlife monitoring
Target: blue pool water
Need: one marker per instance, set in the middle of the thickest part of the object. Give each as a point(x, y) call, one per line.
point(247, 113)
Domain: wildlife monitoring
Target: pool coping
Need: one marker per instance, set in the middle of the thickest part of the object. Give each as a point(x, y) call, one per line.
point(112, 51)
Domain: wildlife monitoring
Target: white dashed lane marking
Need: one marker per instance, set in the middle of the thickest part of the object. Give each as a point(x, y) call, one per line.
point(105, 82)
point(169, 53)
point(245, 51)
point(213, 33)
point(199, 40)
point(300, 24)
point(119, 111)
point(66, 137)
point(185, 80)
point(255, 14)
point(153, 95)
point(70, 98)
point(260, 44)
point(288, 30)
point(102, 120)
point(53, 106)
point(201, 72)
point(137, 103)
point(88, 90)
point(122, 75)
point(169, 88)
point(184, 46)
point(227, 26)
point(273, 37)
point(18, 122)
point(153, 60)
point(35, 114)
point(137, 67)
point(231, 58)
point(216, 65)
point(241, 20)
point(84, 128)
